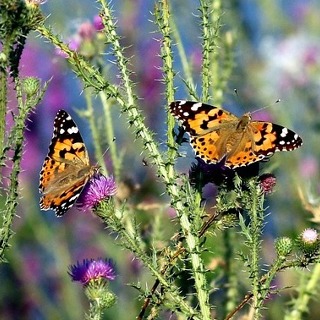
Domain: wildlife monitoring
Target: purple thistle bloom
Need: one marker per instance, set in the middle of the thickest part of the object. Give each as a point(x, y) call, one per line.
point(87, 30)
point(267, 182)
point(91, 269)
point(97, 189)
point(97, 23)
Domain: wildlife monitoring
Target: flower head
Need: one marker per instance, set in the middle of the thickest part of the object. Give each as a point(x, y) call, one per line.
point(97, 189)
point(91, 269)
point(87, 30)
point(309, 236)
point(267, 183)
point(309, 241)
point(97, 23)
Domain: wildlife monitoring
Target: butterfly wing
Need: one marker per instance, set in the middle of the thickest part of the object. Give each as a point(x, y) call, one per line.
point(208, 127)
point(199, 118)
point(66, 168)
point(262, 140)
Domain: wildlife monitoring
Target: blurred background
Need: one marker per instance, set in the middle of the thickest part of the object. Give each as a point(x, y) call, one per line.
point(277, 56)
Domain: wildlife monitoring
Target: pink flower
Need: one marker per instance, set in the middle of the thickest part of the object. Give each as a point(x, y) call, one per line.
point(87, 31)
point(309, 236)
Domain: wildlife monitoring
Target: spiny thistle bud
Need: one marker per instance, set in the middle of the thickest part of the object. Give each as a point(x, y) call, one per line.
point(283, 246)
point(308, 241)
point(31, 86)
point(98, 292)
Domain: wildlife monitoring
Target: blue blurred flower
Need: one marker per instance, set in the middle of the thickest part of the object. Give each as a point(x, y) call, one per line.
point(91, 269)
point(97, 189)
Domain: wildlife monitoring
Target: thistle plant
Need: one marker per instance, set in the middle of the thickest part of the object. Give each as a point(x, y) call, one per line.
point(193, 236)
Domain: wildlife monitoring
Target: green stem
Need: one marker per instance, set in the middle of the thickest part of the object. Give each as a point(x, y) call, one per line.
point(4, 65)
point(89, 114)
point(191, 234)
point(216, 55)
point(133, 242)
point(256, 215)
point(9, 211)
point(163, 20)
point(186, 65)
point(305, 293)
point(116, 161)
point(206, 48)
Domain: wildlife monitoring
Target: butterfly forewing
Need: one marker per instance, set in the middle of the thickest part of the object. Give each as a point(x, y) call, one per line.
point(66, 168)
point(216, 134)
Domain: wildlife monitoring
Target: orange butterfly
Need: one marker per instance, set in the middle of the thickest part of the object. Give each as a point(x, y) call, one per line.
point(217, 135)
point(66, 168)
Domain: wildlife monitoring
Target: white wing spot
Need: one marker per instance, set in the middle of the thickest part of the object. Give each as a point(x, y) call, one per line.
point(282, 142)
point(62, 131)
point(284, 132)
point(186, 114)
point(73, 130)
point(196, 106)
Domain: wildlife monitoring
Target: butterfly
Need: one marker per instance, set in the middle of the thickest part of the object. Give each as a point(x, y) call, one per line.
point(217, 135)
point(66, 169)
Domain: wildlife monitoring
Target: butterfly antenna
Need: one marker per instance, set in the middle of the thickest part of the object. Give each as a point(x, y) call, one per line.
point(266, 107)
point(104, 153)
point(257, 110)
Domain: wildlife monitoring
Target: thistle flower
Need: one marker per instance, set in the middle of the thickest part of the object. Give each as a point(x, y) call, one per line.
point(88, 40)
point(267, 183)
point(92, 269)
point(97, 189)
point(309, 242)
point(97, 23)
point(309, 236)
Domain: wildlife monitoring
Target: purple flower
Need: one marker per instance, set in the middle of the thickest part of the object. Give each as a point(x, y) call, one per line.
point(267, 183)
point(75, 43)
point(99, 188)
point(97, 23)
point(91, 269)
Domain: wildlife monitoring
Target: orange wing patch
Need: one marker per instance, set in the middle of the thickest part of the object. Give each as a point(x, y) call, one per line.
point(66, 168)
point(218, 135)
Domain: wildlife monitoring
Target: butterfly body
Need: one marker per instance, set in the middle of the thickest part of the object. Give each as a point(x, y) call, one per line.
point(216, 134)
point(66, 168)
